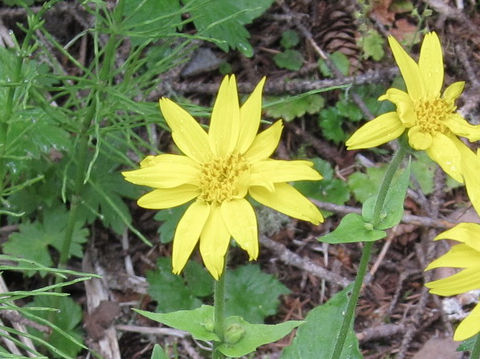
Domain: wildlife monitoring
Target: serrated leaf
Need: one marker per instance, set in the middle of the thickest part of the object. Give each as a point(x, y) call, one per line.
point(198, 322)
point(392, 212)
point(198, 280)
point(349, 110)
point(67, 318)
point(289, 59)
point(158, 353)
point(254, 335)
point(339, 60)
point(372, 44)
point(331, 124)
point(33, 239)
point(289, 39)
point(467, 345)
point(316, 338)
point(365, 185)
point(150, 18)
point(288, 108)
point(102, 197)
point(169, 290)
point(170, 218)
point(329, 189)
point(224, 19)
point(353, 228)
point(252, 294)
point(423, 170)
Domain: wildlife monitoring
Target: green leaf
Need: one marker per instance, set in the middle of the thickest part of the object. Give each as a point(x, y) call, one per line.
point(102, 197)
point(33, 239)
point(289, 59)
point(158, 353)
point(316, 338)
point(290, 107)
point(339, 60)
point(329, 189)
point(353, 228)
point(170, 218)
point(365, 185)
point(289, 39)
point(198, 280)
point(198, 322)
point(169, 290)
point(423, 170)
point(372, 45)
point(350, 110)
point(249, 337)
point(252, 294)
point(331, 124)
point(224, 20)
point(67, 317)
point(392, 211)
point(150, 18)
point(467, 345)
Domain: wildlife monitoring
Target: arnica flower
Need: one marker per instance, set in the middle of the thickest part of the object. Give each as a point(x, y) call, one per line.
point(428, 116)
point(217, 171)
point(465, 255)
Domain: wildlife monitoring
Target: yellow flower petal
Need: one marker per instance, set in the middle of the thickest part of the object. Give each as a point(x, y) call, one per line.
point(376, 132)
point(265, 143)
point(418, 139)
point(288, 200)
point(168, 197)
point(430, 64)
point(225, 121)
point(444, 151)
point(469, 326)
point(214, 242)
point(165, 171)
point(275, 171)
point(409, 69)
point(187, 133)
point(468, 233)
point(453, 91)
point(471, 170)
point(187, 234)
point(459, 256)
point(460, 282)
point(459, 126)
point(250, 114)
point(405, 107)
point(241, 222)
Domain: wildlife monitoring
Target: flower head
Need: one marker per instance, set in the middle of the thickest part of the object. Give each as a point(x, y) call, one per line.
point(217, 171)
point(465, 255)
point(429, 117)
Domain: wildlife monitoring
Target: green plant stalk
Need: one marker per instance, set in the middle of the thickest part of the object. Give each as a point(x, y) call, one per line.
point(367, 249)
point(82, 152)
point(219, 312)
point(476, 348)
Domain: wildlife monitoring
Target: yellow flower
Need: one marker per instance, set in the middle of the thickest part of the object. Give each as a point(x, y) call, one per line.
point(428, 117)
point(217, 171)
point(467, 256)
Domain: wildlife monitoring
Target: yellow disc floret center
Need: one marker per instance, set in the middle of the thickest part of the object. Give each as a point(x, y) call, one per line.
point(224, 179)
point(431, 115)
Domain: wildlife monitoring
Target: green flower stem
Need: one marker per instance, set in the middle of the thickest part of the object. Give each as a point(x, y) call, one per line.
point(476, 348)
point(219, 314)
point(367, 249)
